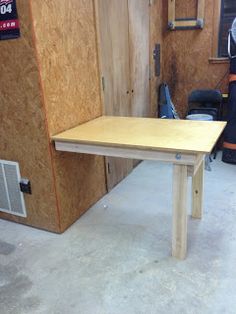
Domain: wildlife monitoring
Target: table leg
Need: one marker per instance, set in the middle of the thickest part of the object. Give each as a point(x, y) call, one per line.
point(197, 192)
point(179, 236)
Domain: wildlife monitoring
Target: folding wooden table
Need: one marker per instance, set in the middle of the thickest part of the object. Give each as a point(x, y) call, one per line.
point(180, 142)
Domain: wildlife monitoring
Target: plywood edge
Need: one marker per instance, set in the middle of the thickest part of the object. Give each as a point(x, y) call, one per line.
point(141, 148)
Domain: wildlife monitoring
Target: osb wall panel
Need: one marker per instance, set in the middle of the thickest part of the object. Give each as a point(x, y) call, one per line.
point(156, 35)
point(186, 58)
point(66, 44)
point(67, 52)
point(23, 136)
point(80, 183)
point(186, 9)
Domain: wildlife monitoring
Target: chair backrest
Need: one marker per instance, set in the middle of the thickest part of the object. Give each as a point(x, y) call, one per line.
point(205, 97)
point(206, 101)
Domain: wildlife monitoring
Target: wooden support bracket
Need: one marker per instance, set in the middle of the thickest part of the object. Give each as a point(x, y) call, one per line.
point(170, 157)
point(197, 192)
point(182, 24)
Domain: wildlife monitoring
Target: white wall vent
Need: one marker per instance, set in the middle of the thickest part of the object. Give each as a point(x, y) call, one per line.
point(11, 197)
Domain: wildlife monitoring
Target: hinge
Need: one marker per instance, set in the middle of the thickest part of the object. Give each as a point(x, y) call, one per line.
point(103, 83)
point(108, 168)
point(157, 59)
point(150, 72)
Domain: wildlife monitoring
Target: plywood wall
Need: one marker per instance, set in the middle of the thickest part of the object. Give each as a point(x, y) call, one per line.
point(23, 127)
point(66, 45)
point(186, 56)
point(67, 53)
point(186, 9)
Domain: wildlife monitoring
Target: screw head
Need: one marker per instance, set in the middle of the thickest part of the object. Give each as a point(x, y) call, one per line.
point(178, 156)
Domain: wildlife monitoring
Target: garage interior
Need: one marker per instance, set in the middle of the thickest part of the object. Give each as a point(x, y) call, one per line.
point(95, 233)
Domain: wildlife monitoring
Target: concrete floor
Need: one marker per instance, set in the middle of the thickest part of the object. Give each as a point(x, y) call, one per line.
point(116, 258)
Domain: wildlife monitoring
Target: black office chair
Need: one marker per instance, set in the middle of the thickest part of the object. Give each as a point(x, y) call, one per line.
point(206, 101)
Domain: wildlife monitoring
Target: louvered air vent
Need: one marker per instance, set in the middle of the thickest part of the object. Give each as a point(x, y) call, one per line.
point(11, 198)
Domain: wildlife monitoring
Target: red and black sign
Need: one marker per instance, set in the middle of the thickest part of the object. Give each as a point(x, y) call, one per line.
point(9, 23)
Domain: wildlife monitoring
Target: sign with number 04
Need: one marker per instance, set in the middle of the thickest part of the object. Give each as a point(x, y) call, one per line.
point(9, 23)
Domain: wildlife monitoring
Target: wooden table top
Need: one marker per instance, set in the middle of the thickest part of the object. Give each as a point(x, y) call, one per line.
point(146, 134)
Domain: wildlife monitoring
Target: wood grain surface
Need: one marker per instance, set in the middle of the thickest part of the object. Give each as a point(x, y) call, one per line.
point(147, 133)
point(65, 35)
point(113, 32)
point(114, 56)
point(139, 38)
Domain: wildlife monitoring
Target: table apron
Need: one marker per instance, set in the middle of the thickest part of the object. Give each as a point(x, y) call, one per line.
point(189, 159)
